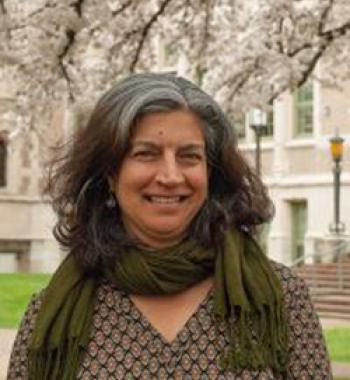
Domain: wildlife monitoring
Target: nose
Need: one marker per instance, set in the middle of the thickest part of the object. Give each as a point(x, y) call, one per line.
point(169, 172)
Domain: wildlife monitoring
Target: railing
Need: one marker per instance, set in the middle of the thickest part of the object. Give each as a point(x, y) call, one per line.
point(336, 255)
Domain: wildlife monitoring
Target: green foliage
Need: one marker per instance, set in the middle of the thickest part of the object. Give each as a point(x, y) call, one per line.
point(15, 292)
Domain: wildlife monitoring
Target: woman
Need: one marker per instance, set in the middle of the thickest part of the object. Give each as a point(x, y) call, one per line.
point(163, 279)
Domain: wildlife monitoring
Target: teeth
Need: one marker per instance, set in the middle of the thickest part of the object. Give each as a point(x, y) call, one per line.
point(165, 199)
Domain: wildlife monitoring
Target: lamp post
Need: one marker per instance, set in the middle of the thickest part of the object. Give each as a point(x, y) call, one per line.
point(258, 125)
point(337, 147)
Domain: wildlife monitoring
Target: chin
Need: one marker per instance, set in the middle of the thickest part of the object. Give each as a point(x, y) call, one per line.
point(164, 232)
point(169, 232)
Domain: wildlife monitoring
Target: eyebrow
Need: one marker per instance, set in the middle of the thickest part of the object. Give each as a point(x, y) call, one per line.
point(151, 144)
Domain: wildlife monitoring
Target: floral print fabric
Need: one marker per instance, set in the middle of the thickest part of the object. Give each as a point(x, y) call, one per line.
point(124, 345)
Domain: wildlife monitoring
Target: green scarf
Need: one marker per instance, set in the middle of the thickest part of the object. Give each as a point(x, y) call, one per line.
point(247, 298)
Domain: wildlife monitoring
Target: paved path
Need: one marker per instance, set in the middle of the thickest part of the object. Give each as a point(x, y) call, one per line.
point(6, 339)
point(7, 336)
point(341, 370)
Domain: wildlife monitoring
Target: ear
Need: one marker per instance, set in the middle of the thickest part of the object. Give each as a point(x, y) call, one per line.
point(111, 182)
point(209, 171)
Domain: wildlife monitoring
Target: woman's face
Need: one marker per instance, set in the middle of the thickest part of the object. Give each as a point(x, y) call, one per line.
point(163, 180)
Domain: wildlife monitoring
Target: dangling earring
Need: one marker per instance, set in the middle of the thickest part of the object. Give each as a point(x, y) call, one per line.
point(111, 202)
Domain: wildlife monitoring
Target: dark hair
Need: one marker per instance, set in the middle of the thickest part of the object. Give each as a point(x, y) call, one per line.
point(78, 183)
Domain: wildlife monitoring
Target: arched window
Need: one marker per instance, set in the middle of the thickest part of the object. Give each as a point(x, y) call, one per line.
point(3, 158)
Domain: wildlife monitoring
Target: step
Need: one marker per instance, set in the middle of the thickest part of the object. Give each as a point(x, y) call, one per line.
point(333, 299)
point(312, 273)
point(321, 276)
point(312, 269)
point(330, 300)
point(327, 284)
point(332, 279)
point(331, 284)
point(326, 265)
point(343, 309)
point(331, 292)
point(333, 315)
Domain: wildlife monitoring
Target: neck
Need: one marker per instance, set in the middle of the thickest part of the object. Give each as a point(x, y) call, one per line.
point(152, 242)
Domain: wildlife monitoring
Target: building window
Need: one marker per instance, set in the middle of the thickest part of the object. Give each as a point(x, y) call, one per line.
point(299, 226)
point(239, 124)
point(3, 159)
point(268, 131)
point(303, 110)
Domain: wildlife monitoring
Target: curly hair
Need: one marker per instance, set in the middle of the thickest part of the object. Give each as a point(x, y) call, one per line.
point(78, 178)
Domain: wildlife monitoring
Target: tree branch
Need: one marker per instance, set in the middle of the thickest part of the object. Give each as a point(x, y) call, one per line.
point(77, 6)
point(324, 16)
point(311, 67)
point(327, 36)
point(305, 74)
point(238, 80)
point(2, 7)
point(332, 34)
point(70, 34)
point(280, 29)
point(206, 33)
point(122, 8)
point(145, 32)
point(38, 11)
point(296, 51)
point(243, 80)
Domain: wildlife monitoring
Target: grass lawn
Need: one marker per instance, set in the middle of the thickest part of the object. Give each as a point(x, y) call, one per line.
point(338, 342)
point(15, 292)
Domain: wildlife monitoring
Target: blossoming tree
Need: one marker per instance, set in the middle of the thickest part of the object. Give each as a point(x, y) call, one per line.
point(245, 53)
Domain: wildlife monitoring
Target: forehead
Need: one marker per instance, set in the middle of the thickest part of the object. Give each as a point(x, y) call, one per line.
point(179, 125)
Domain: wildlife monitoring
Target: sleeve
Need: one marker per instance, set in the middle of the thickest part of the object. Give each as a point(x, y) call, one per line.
point(308, 356)
point(18, 364)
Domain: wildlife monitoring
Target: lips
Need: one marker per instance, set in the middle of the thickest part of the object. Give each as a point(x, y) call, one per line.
point(166, 199)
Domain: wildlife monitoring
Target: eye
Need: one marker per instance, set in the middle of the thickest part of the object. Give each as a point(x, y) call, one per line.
point(144, 154)
point(191, 157)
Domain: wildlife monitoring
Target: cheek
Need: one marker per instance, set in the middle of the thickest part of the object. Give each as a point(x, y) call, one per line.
point(199, 181)
point(131, 178)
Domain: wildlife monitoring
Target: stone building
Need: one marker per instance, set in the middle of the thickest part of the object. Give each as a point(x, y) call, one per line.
point(296, 166)
point(26, 243)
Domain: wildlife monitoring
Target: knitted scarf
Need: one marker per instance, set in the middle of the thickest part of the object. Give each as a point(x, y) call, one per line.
point(247, 298)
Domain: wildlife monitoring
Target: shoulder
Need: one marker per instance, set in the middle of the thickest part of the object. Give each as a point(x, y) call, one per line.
point(295, 289)
point(308, 357)
point(17, 369)
point(290, 281)
point(32, 311)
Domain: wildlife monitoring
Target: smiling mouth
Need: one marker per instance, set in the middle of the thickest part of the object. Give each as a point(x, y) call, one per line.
point(166, 199)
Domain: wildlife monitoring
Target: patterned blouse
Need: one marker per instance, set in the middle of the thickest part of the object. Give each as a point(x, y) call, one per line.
point(124, 345)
